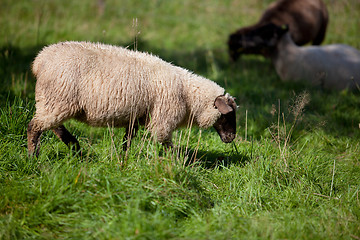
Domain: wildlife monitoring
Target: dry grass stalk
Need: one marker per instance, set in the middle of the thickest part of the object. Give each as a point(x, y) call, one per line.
point(279, 131)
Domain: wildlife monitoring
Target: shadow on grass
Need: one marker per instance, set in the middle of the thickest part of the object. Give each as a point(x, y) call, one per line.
point(216, 159)
point(16, 79)
point(59, 151)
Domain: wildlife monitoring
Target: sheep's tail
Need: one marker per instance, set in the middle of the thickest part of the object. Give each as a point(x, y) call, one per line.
point(36, 66)
point(39, 62)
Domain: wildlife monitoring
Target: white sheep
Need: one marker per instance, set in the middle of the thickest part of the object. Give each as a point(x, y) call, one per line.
point(335, 66)
point(104, 85)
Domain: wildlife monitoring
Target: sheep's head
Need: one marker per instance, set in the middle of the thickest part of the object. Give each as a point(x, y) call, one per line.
point(226, 124)
point(255, 40)
point(243, 41)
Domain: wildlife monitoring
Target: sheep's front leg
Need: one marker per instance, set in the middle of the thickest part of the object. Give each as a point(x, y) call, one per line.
point(163, 134)
point(67, 137)
point(165, 120)
point(168, 145)
point(130, 132)
point(33, 138)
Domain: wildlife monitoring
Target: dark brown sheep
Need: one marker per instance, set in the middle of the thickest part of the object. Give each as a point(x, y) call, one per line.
point(307, 20)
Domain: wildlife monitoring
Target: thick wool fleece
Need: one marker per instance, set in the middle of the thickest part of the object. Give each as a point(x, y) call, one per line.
point(335, 66)
point(105, 85)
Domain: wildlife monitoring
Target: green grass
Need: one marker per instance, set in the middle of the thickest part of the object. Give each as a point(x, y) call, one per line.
point(293, 172)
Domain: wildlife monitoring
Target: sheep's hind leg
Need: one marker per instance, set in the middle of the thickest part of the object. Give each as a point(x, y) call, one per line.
point(33, 138)
point(67, 137)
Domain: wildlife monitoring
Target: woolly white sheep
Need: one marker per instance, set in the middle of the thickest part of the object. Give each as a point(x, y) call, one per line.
point(104, 85)
point(335, 66)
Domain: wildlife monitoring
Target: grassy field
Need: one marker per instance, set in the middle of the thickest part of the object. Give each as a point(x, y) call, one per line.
point(293, 171)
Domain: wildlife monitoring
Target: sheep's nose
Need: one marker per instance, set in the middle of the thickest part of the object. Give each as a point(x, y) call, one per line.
point(228, 138)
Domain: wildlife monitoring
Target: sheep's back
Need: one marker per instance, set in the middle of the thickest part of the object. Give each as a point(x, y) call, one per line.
point(104, 84)
point(306, 18)
point(334, 66)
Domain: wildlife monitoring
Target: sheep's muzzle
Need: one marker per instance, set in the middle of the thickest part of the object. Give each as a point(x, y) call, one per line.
point(226, 124)
point(226, 127)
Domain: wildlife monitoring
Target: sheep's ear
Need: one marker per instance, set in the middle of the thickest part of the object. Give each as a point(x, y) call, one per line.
point(222, 106)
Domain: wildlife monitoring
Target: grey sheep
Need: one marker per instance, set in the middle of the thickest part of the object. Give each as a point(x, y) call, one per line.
point(334, 66)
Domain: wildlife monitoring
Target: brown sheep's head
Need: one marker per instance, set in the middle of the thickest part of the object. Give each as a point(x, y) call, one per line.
point(258, 40)
point(226, 124)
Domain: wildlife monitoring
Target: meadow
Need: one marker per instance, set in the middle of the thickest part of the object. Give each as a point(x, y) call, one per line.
point(293, 171)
